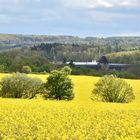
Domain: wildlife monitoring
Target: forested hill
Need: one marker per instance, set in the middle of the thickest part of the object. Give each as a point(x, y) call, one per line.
point(17, 40)
point(44, 53)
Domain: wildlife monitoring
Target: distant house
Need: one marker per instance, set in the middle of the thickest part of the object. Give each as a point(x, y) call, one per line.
point(101, 64)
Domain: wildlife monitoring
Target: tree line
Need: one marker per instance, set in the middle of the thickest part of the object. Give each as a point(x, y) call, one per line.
point(59, 86)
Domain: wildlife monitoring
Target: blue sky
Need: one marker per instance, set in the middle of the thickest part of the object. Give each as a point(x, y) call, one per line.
point(82, 18)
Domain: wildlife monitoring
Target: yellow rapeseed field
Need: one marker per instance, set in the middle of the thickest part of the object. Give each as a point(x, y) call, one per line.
point(80, 119)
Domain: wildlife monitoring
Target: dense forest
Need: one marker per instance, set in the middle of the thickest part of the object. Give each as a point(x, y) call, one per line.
point(57, 52)
point(44, 53)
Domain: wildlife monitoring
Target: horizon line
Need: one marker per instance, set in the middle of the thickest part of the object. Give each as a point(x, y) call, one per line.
point(71, 35)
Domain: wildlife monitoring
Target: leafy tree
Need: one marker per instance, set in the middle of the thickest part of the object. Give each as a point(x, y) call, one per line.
point(67, 70)
point(48, 67)
point(26, 69)
point(2, 68)
point(59, 86)
point(20, 86)
point(112, 89)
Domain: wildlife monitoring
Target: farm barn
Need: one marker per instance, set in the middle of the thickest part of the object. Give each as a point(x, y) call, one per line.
point(102, 63)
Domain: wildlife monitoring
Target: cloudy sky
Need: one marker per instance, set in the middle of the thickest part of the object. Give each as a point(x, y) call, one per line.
point(71, 17)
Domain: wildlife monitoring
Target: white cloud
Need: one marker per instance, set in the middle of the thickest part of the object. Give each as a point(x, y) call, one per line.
point(103, 3)
point(129, 3)
point(29, 11)
point(130, 34)
point(125, 3)
point(100, 3)
point(86, 3)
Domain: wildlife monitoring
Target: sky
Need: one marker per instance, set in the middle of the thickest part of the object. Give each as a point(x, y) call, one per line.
point(98, 18)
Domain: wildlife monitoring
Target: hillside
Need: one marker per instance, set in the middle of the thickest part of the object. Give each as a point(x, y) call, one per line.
point(56, 48)
point(46, 57)
point(131, 57)
point(18, 40)
point(43, 53)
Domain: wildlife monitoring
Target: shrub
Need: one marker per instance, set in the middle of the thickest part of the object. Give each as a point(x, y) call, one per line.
point(67, 69)
point(59, 86)
point(20, 86)
point(112, 89)
point(26, 69)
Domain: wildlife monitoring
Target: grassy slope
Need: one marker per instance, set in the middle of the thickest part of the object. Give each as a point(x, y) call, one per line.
point(79, 119)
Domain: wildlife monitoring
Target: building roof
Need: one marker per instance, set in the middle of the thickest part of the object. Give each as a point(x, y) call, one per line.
point(94, 63)
point(84, 63)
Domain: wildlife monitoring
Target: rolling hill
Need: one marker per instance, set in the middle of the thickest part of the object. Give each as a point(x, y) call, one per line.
point(18, 40)
point(42, 52)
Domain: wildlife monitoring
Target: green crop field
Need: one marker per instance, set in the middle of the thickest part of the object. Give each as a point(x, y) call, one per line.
point(80, 119)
